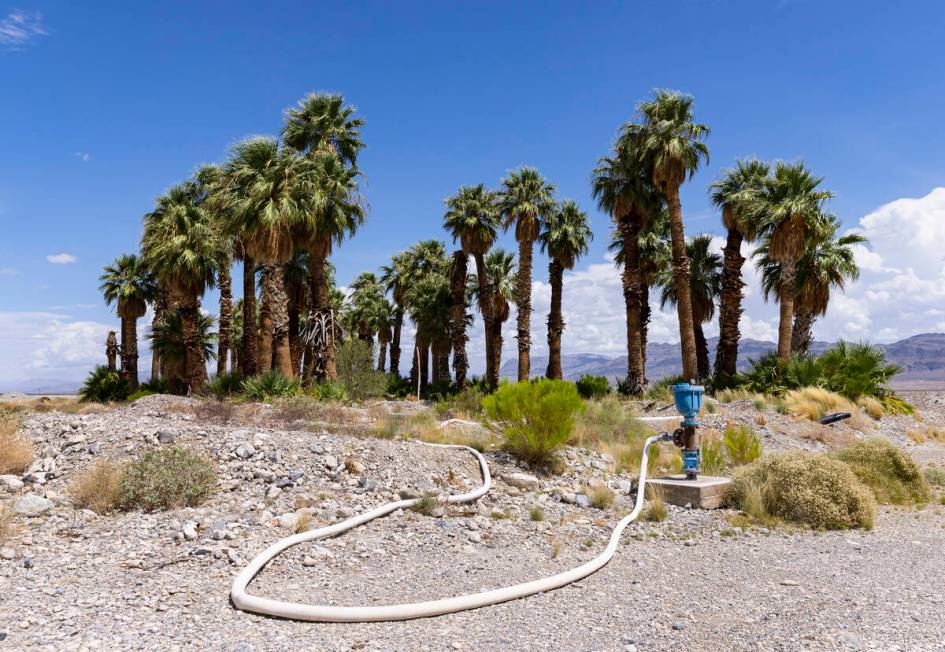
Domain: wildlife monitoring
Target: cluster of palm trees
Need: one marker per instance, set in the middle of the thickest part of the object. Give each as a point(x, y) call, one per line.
point(281, 206)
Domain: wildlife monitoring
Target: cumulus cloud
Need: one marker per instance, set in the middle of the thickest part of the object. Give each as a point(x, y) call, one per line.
point(20, 28)
point(61, 259)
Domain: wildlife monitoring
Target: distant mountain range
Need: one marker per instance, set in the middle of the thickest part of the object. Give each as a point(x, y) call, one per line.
point(922, 358)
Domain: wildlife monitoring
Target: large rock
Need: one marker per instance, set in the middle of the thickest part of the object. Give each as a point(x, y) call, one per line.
point(522, 481)
point(11, 483)
point(32, 505)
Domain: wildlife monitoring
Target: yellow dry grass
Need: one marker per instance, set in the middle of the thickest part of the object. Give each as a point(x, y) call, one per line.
point(98, 487)
point(7, 526)
point(872, 407)
point(814, 402)
point(600, 495)
point(16, 451)
point(927, 433)
point(831, 437)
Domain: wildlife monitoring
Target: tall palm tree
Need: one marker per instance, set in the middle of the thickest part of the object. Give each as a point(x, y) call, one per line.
point(622, 188)
point(129, 284)
point(161, 304)
point(731, 194)
point(458, 314)
point(180, 245)
point(704, 287)
point(393, 278)
point(564, 238)
point(249, 359)
point(670, 144)
point(525, 200)
point(788, 210)
point(429, 300)
point(498, 289)
point(472, 218)
point(236, 333)
point(167, 340)
point(422, 260)
point(322, 122)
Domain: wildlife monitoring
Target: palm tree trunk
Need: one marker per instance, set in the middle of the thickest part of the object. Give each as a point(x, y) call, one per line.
point(555, 320)
point(801, 336)
point(458, 316)
point(496, 352)
point(786, 298)
point(226, 310)
point(485, 308)
point(632, 282)
point(264, 339)
point(644, 325)
point(440, 348)
point(424, 364)
point(687, 338)
point(278, 309)
point(382, 351)
point(395, 342)
point(235, 358)
point(249, 357)
point(111, 350)
point(702, 353)
point(523, 301)
point(129, 352)
point(730, 306)
point(295, 340)
point(160, 309)
point(324, 353)
point(195, 371)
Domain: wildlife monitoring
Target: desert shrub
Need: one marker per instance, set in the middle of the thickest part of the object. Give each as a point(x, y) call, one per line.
point(225, 385)
point(467, 401)
point(6, 522)
point(713, 455)
point(892, 476)
point(398, 387)
point(426, 505)
point(141, 393)
point(662, 389)
point(730, 394)
point(16, 450)
point(592, 386)
point(270, 385)
point(814, 489)
point(103, 386)
point(656, 510)
point(894, 405)
point(828, 435)
point(536, 513)
point(741, 444)
point(98, 487)
point(536, 417)
point(600, 495)
point(166, 478)
point(873, 407)
point(156, 386)
point(935, 477)
point(814, 402)
point(855, 370)
point(355, 362)
point(327, 390)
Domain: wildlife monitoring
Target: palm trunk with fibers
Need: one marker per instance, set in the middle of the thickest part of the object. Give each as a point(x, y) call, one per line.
point(295, 340)
point(282, 354)
point(226, 310)
point(264, 340)
point(786, 298)
point(111, 350)
point(129, 352)
point(324, 353)
point(440, 348)
point(458, 317)
point(485, 307)
point(687, 338)
point(496, 352)
point(523, 300)
point(632, 283)
point(195, 370)
point(644, 325)
point(555, 320)
point(702, 353)
point(730, 306)
point(382, 351)
point(248, 358)
point(424, 364)
point(395, 342)
point(160, 309)
point(801, 337)
point(414, 363)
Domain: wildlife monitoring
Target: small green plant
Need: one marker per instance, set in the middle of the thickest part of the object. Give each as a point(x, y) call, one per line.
point(741, 444)
point(536, 417)
point(103, 386)
point(156, 386)
point(759, 404)
point(355, 362)
point(426, 505)
point(166, 478)
point(327, 390)
point(270, 385)
point(592, 386)
point(141, 393)
point(398, 387)
point(600, 495)
point(225, 385)
point(935, 477)
point(892, 476)
point(713, 456)
point(536, 513)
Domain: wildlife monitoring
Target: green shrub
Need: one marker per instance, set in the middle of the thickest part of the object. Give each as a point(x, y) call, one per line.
point(467, 401)
point(156, 386)
point(713, 456)
point(892, 476)
point(814, 489)
point(103, 386)
point(398, 387)
point(355, 362)
point(536, 417)
point(141, 393)
point(894, 405)
point(166, 478)
point(935, 477)
point(270, 385)
point(226, 385)
point(327, 390)
point(661, 389)
point(592, 386)
point(741, 444)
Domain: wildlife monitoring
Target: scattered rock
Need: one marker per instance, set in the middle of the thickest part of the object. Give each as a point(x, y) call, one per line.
point(32, 505)
point(245, 451)
point(11, 483)
point(582, 501)
point(522, 481)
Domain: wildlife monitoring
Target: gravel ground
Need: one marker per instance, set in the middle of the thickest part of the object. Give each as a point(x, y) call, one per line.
point(70, 579)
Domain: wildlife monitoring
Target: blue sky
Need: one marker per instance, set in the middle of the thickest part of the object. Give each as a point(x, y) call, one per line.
point(105, 105)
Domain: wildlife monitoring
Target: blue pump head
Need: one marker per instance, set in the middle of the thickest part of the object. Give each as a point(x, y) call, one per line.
point(688, 401)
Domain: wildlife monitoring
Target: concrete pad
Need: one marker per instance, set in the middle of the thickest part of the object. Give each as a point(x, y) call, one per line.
point(705, 492)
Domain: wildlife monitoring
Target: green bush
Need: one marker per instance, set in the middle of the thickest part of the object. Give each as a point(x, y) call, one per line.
point(398, 387)
point(166, 478)
point(355, 363)
point(141, 393)
point(467, 401)
point(536, 417)
point(892, 476)
point(713, 456)
point(592, 386)
point(156, 386)
point(226, 385)
point(103, 386)
point(327, 390)
point(660, 391)
point(813, 489)
point(935, 477)
point(741, 444)
point(270, 385)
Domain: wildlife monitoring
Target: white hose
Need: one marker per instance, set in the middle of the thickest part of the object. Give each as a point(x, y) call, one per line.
point(324, 613)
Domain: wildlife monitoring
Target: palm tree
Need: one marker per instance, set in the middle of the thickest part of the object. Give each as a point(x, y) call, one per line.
point(249, 359)
point(622, 188)
point(129, 284)
point(472, 218)
point(458, 314)
point(525, 199)
point(499, 287)
point(295, 274)
point(161, 304)
point(236, 333)
point(182, 248)
point(393, 278)
point(322, 122)
point(704, 287)
point(564, 238)
point(670, 145)
point(422, 260)
point(731, 194)
point(429, 300)
point(167, 340)
point(787, 210)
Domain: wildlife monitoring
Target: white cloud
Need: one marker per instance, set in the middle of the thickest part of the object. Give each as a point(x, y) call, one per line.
point(83, 156)
point(61, 259)
point(19, 28)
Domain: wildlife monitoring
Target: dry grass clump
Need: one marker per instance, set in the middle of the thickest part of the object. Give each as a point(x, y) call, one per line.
point(600, 495)
point(608, 426)
point(814, 402)
point(213, 410)
point(16, 451)
point(655, 510)
point(813, 489)
point(927, 433)
point(7, 525)
point(45, 404)
point(166, 478)
point(892, 476)
point(828, 436)
point(872, 407)
point(98, 488)
point(426, 428)
point(713, 453)
point(729, 395)
point(936, 477)
point(536, 513)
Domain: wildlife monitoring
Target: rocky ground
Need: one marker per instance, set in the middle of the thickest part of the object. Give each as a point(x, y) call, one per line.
point(71, 579)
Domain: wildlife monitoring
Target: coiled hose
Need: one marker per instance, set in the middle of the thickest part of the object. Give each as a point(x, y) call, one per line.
point(324, 613)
